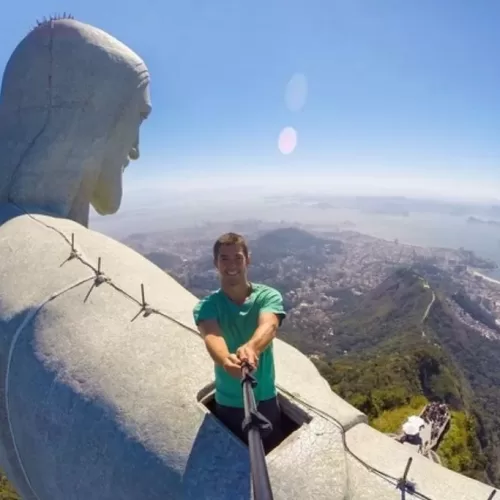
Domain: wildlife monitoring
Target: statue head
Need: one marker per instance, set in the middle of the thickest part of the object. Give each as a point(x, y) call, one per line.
point(71, 104)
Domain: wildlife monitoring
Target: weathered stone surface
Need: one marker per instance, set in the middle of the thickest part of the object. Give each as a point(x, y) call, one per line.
point(90, 393)
point(388, 456)
point(315, 449)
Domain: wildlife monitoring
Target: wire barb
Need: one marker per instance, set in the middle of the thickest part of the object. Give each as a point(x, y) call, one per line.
point(492, 494)
point(73, 253)
point(145, 308)
point(100, 278)
point(403, 484)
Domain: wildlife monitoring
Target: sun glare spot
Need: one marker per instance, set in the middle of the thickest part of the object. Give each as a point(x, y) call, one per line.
point(287, 141)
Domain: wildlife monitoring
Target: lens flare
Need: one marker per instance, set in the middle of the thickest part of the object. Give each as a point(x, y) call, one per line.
point(287, 141)
point(296, 92)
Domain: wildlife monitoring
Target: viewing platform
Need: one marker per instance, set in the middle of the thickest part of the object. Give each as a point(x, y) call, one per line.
point(424, 432)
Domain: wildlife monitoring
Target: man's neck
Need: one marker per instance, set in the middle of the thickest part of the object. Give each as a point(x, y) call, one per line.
point(238, 293)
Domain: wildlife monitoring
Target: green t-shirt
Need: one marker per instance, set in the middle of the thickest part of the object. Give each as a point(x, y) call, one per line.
point(238, 324)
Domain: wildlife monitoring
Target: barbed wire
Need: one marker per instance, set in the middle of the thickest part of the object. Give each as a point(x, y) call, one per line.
point(102, 278)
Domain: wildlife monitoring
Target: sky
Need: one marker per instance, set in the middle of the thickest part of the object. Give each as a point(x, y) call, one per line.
point(390, 95)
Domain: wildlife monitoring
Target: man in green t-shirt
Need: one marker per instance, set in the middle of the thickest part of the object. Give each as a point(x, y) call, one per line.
point(238, 323)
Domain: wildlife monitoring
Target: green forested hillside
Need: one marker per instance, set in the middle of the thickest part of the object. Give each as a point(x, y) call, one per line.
point(7, 492)
point(390, 386)
point(387, 362)
point(479, 362)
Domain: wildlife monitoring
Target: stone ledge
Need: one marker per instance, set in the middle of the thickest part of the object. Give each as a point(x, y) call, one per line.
point(382, 453)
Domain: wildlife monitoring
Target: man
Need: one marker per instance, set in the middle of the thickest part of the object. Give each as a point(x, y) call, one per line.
point(238, 323)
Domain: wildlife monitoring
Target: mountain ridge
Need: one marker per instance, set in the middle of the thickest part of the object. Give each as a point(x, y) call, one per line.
point(388, 353)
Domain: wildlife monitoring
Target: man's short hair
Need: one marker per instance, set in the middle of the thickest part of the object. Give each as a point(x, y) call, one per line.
point(230, 239)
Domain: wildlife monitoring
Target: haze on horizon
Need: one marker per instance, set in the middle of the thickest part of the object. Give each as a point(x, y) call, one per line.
point(247, 183)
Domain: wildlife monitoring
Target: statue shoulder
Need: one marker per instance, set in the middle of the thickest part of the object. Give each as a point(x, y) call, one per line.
point(42, 255)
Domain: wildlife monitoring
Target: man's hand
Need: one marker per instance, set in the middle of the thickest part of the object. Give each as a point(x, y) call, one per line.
point(247, 353)
point(232, 365)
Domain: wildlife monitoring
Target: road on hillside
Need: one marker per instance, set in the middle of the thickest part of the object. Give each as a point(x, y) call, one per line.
point(428, 310)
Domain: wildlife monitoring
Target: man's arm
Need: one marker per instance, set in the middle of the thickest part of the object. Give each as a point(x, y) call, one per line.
point(214, 341)
point(217, 347)
point(265, 332)
point(205, 317)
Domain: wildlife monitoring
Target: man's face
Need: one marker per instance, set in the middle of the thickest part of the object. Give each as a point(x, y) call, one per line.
point(232, 265)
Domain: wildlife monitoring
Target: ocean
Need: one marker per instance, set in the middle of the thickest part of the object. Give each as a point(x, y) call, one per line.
point(421, 229)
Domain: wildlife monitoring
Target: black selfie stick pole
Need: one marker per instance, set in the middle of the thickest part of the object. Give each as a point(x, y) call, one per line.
point(256, 426)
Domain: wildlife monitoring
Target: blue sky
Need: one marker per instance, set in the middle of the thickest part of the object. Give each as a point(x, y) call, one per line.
point(395, 89)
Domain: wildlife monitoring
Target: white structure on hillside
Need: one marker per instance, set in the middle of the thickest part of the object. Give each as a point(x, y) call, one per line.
point(103, 396)
point(413, 425)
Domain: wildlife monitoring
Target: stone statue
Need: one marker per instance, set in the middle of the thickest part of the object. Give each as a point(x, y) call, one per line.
point(105, 386)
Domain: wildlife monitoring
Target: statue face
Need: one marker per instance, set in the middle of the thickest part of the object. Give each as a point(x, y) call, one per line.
point(123, 146)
